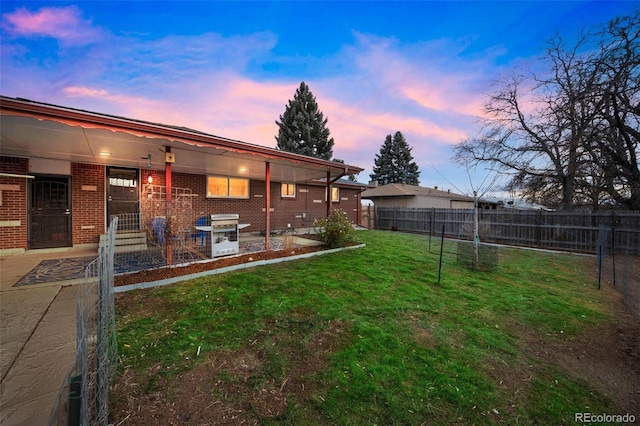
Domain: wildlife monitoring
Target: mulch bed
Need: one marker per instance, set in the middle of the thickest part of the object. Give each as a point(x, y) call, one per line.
point(176, 271)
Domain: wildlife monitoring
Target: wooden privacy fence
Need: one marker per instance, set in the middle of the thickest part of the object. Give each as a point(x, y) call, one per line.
point(367, 216)
point(576, 231)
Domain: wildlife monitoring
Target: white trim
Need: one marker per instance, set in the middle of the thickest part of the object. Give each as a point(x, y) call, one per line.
point(288, 184)
point(13, 175)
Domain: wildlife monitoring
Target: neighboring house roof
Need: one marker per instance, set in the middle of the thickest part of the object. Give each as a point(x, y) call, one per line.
point(404, 190)
point(37, 129)
point(342, 183)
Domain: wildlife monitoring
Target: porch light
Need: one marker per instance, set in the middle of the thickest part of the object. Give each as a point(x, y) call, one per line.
point(242, 169)
point(105, 153)
point(148, 158)
point(150, 179)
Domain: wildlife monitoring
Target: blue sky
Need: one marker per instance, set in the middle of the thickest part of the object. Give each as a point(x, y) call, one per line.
point(229, 68)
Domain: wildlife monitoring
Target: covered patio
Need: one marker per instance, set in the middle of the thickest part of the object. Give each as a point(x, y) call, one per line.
point(145, 172)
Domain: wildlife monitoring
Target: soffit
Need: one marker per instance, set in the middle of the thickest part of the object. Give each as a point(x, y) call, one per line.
point(69, 140)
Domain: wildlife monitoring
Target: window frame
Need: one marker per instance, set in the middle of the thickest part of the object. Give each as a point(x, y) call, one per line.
point(337, 191)
point(228, 192)
point(288, 185)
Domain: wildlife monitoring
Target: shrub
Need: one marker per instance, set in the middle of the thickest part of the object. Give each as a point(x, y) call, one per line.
point(335, 230)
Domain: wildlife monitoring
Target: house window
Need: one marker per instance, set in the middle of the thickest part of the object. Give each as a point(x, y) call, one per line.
point(127, 183)
point(335, 194)
point(225, 187)
point(288, 190)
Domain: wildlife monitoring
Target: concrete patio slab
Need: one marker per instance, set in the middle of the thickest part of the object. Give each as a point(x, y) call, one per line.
point(37, 338)
point(17, 325)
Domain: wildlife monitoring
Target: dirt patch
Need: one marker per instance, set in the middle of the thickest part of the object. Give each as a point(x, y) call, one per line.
point(424, 336)
point(607, 357)
point(228, 388)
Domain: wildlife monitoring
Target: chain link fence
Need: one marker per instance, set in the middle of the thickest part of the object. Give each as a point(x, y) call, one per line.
point(84, 396)
point(612, 236)
point(619, 265)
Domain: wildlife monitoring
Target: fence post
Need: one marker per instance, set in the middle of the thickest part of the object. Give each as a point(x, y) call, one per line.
point(441, 249)
point(613, 245)
point(394, 226)
point(75, 397)
point(539, 229)
point(372, 217)
point(599, 257)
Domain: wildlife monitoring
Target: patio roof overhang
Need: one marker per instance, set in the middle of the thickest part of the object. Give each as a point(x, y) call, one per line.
point(33, 129)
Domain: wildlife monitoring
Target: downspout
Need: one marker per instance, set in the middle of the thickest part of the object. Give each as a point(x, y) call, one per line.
point(358, 208)
point(267, 209)
point(168, 202)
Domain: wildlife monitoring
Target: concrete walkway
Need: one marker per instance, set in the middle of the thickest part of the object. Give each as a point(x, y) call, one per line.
point(37, 338)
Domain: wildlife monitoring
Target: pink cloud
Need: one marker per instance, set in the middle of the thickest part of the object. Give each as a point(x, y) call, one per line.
point(223, 104)
point(102, 94)
point(423, 74)
point(62, 23)
point(354, 124)
point(444, 96)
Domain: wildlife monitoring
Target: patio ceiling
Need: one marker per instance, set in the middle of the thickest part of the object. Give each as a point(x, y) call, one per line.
point(29, 129)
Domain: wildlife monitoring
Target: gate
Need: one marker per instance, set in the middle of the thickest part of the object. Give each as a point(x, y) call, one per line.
point(50, 213)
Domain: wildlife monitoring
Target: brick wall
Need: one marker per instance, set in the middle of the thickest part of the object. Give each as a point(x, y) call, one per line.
point(308, 202)
point(14, 203)
point(88, 202)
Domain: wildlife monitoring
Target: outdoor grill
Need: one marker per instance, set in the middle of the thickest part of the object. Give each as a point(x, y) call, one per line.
point(224, 234)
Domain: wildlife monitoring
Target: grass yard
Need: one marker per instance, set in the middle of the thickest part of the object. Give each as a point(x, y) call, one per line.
point(367, 336)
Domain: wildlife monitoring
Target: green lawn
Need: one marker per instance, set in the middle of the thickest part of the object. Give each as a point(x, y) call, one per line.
point(398, 347)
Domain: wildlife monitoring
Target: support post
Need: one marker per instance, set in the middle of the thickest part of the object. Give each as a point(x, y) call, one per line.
point(328, 193)
point(267, 205)
point(168, 202)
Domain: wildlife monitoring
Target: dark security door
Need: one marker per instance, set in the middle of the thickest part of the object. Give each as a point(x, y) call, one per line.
point(123, 197)
point(50, 213)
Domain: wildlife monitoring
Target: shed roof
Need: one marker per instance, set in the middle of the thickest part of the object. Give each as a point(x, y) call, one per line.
point(404, 190)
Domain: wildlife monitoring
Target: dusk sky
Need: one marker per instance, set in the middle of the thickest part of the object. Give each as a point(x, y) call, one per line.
point(229, 68)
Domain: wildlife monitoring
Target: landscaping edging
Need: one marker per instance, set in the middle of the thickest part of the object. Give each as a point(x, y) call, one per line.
point(173, 280)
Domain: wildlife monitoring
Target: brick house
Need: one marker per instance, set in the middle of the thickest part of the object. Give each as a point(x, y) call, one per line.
point(64, 172)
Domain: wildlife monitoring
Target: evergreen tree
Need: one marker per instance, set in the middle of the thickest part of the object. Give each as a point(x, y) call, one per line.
point(395, 163)
point(303, 128)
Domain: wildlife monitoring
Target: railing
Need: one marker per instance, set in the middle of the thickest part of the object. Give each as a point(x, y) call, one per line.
point(127, 221)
